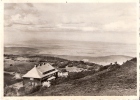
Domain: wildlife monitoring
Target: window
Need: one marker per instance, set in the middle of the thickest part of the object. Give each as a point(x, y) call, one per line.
point(32, 79)
point(49, 71)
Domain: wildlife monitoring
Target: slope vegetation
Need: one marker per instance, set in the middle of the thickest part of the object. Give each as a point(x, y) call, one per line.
point(116, 80)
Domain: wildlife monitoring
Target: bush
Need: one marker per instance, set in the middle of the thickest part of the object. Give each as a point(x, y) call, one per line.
point(11, 64)
point(91, 68)
point(62, 66)
point(70, 65)
point(74, 75)
point(32, 89)
point(63, 70)
point(104, 67)
point(10, 91)
point(60, 80)
point(21, 91)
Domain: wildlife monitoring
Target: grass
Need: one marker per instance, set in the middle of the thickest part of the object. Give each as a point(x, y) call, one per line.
point(85, 83)
point(117, 82)
point(16, 66)
point(13, 64)
point(8, 80)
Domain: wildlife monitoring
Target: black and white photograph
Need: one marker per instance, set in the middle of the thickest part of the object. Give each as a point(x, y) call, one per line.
point(70, 49)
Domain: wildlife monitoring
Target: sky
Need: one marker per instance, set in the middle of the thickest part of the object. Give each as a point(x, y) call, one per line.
point(97, 22)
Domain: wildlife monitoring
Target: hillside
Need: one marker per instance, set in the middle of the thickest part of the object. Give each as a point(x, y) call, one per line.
point(96, 79)
point(118, 82)
point(20, 50)
point(102, 60)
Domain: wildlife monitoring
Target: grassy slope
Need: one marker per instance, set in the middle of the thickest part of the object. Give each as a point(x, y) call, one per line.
point(117, 82)
point(26, 62)
point(8, 80)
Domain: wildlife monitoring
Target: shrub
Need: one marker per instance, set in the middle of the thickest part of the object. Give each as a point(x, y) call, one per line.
point(62, 66)
point(63, 70)
point(32, 89)
point(104, 67)
point(10, 91)
point(21, 91)
point(11, 64)
point(91, 68)
point(70, 65)
point(75, 75)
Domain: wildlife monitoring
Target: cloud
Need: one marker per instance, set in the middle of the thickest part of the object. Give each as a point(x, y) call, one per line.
point(120, 26)
point(89, 29)
point(27, 19)
point(20, 13)
point(69, 20)
point(92, 18)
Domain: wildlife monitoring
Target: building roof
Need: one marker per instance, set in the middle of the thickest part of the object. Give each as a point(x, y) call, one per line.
point(37, 72)
point(45, 67)
point(33, 73)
